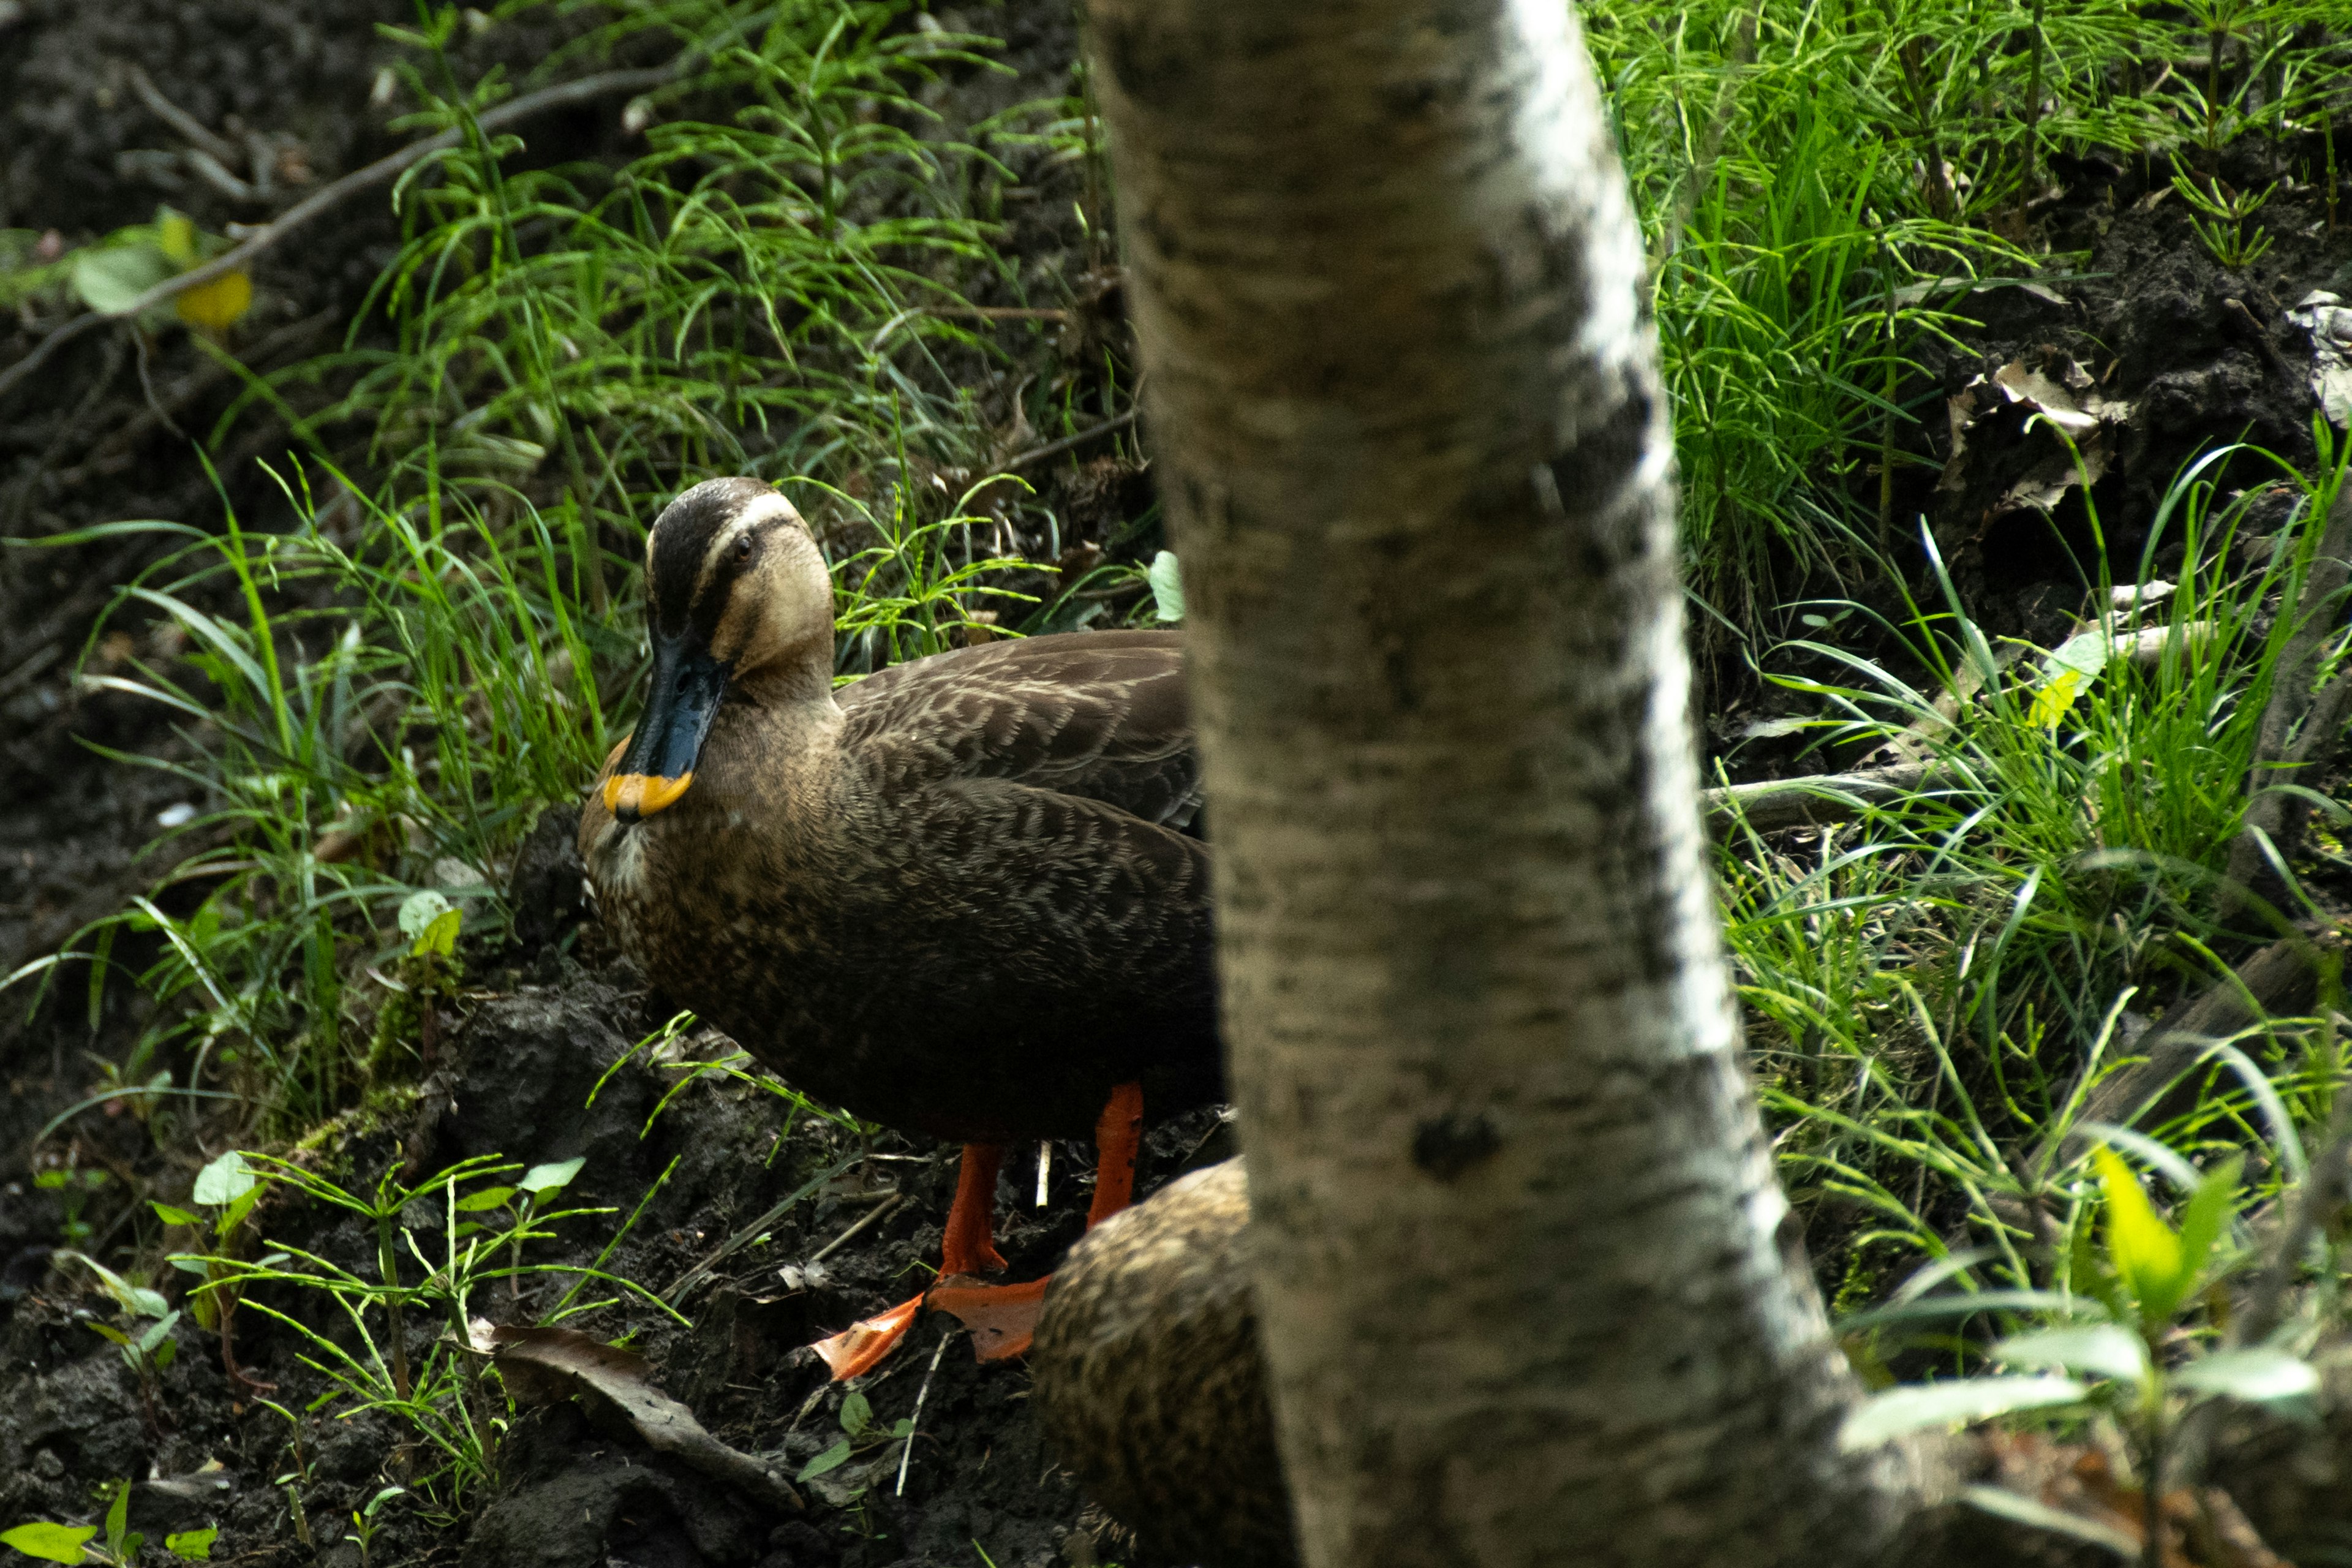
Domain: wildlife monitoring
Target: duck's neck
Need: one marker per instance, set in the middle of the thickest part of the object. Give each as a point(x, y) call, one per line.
point(802, 679)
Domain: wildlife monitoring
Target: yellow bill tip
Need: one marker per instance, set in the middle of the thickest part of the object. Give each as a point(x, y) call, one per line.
point(631, 796)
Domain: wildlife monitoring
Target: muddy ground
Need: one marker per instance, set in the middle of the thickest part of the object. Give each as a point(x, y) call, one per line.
point(2199, 353)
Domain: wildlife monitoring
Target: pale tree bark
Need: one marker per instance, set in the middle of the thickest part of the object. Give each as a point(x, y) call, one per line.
point(1530, 1293)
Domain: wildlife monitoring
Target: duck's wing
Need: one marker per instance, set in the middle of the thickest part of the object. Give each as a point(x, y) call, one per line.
point(1096, 715)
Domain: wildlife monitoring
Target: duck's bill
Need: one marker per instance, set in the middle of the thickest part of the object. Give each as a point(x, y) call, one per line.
point(659, 766)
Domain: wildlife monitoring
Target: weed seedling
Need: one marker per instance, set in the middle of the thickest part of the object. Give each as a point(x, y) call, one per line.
point(79, 1542)
point(365, 1524)
point(75, 1186)
point(2219, 215)
point(229, 1189)
point(142, 1330)
point(860, 1439)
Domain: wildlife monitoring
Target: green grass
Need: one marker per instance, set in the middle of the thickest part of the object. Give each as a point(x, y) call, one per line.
point(1931, 988)
point(1822, 185)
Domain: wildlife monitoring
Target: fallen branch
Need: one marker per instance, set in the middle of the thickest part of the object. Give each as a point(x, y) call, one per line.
point(1813, 800)
point(1067, 443)
point(316, 206)
point(2281, 980)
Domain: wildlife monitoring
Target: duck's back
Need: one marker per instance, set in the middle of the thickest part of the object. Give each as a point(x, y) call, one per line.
point(1021, 922)
point(1100, 716)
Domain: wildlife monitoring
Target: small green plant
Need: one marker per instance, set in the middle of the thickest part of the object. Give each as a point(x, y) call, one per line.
point(79, 1544)
point(861, 1438)
point(2219, 215)
point(75, 1186)
point(443, 1396)
point(2112, 1351)
point(365, 1521)
point(227, 1188)
point(141, 1330)
point(425, 976)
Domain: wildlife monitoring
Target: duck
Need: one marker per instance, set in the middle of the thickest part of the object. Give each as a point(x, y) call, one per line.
point(1148, 1384)
point(966, 895)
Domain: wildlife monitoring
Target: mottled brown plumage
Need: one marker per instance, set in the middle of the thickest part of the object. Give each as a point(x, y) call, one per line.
point(1149, 1380)
point(958, 897)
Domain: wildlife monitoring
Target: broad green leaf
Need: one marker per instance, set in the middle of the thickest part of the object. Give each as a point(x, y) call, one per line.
point(2107, 1350)
point(1915, 1407)
point(135, 1300)
point(157, 1331)
point(191, 1545)
point(2255, 1374)
point(419, 910)
point(112, 278)
point(109, 1331)
point(2144, 1250)
point(441, 935)
point(2207, 1214)
point(543, 1179)
point(170, 1216)
point(488, 1198)
point(118, 1516)
point(832, 1458)
point(223, 1181)
point(1167, 580)
point(237, 1209)
point(2085, 653)
point(50, 1542)
point(856, 1413)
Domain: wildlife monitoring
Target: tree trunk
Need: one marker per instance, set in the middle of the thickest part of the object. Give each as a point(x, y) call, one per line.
point(1530, 1292)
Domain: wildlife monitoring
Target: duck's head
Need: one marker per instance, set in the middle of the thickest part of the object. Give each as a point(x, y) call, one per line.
point(735, 589)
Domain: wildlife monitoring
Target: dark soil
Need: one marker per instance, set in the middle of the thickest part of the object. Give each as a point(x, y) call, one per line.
point(2202, 354)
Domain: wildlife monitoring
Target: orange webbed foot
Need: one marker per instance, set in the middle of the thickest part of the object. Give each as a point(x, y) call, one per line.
point(1002, 1317)
point(861, 1346)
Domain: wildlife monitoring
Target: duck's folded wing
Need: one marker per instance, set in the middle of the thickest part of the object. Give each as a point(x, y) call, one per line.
point(1071, 892)
point(1100, 716)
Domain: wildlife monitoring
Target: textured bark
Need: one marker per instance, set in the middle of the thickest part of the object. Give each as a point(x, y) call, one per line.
point(1528, 1288)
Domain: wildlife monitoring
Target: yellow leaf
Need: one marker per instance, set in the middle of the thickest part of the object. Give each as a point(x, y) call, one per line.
point(218, 305)
point(2145, 1251)
point(2057, 694)
point(176, 236)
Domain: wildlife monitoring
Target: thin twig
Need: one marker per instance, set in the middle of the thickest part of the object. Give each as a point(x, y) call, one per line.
point(678, 1287)
point(914, 1422)
point(1000, 312)
point(860, 1227)
point(327, 199)
point(1055, 448)
point(193, 131)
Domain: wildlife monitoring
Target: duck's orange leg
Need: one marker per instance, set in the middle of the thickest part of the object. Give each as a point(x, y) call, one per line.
point(969, 1248)
point(1003, 1318)
point(1118, 1134)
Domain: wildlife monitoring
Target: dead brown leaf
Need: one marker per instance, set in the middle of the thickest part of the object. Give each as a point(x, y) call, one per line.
point(543, 1365)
